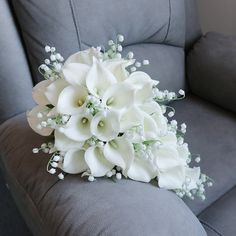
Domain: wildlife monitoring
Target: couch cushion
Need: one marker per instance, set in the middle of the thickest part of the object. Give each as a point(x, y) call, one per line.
point(212, 133)
point(221, 214)
point(15, 79)
point(75, 25)
point(211, 69)
point(76, 207)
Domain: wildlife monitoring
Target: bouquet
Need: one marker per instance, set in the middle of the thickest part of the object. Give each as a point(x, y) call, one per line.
point(104, 117)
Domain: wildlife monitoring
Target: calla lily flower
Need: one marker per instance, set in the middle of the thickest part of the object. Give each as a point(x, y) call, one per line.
point(143, 85)
point(75, 73)
point(105, 125)
point(119, 152)
point(97, 162)
point(74, 162)
point(35, 120)
point(130, 118)
point(63, 143)
point(54, 89)
point(99, 79)
point(71, 100)
point(84, 57)
point(38, 92)
point(118, 97)
point(78, 127)
point(117, 68)
point(141, 170)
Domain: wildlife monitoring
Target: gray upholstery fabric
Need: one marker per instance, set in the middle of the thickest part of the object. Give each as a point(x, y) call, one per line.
point(193, 29)
point(15, 89)
point(74, 25)
point(211, 69)
point(76, 207)
point(221, 215)
point(211, 132)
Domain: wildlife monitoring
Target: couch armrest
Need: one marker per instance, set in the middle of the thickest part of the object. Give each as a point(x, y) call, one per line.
point(211, 69)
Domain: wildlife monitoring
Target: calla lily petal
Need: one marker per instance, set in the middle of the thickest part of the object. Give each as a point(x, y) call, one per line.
point(99, 79)
point(84, 57)
point(143, 85)
point(105, 126)
point(54, 89)
point(38, 92)
point(130, 118)
point(119, 152)
point(72, 100)
point(167, 158)
point(149, 127)
point(141, 170)
point(78, 127)
point(75, 73)
point(117, 68)
point(172, 178)
point(63, 143)
point(118, 97)
point(35, 121)
point(96, 161)
point(74, 162)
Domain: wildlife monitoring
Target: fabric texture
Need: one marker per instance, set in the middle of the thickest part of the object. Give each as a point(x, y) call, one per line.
point(76, 207)
point(15, 78)
point(74, 25)
point(211, 69)
point(221, 214)
point(211, 132)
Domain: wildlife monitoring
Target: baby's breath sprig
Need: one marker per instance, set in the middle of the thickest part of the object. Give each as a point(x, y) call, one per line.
point(51, 69)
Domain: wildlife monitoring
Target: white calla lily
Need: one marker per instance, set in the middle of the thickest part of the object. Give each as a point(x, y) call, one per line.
point(105, 125)
point(97, 162)
point(63, 143)
point(118, 97)
point(84, 57)
point(71, 100)
point(53, 91)
point(99, 79)
point(74, 162)
point(143, 85)
point(130, 118)
point(117, 68)
point(150, 129)
point(38, 92)
point(154, 110)
point(78, 127)
point(35, 117)
point(167, 157)
point(141, 170)
point(193, 175)
point(172, 178)
point(119, 152)
point(75, 73)
point(183, 151)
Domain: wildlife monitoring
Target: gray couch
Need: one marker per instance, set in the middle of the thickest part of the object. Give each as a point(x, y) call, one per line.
point(162, 31)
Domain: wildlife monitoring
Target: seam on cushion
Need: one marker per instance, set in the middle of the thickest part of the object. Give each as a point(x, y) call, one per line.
point(210, 227)
point(205, 209)
point(168, 29)
point(76, 22)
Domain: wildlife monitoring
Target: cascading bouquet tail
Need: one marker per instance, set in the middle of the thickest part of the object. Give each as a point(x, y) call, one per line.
point(104, 117)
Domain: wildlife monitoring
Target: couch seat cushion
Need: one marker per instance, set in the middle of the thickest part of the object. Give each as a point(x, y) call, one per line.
point(212, 133)
point(76, 207)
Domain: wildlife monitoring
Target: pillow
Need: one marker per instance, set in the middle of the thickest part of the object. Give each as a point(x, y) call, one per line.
point(211, 69)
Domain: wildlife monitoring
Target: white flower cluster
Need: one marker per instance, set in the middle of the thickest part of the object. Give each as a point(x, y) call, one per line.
point(104, 117)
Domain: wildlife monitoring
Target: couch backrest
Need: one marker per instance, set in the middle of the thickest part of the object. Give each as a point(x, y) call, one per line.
point(15, 78)
point(153, 29)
